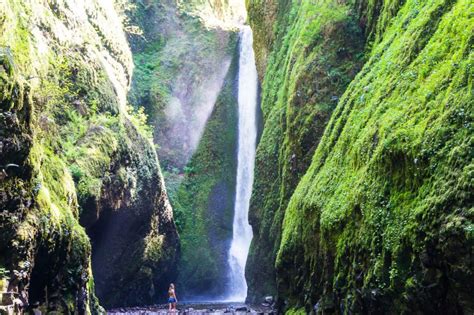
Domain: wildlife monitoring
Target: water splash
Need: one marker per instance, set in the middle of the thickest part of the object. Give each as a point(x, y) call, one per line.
point(242, 231)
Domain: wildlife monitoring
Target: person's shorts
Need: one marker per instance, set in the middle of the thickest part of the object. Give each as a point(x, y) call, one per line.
point(171, 300)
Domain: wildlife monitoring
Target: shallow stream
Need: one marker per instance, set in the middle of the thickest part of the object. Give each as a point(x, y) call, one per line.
point(195, 308)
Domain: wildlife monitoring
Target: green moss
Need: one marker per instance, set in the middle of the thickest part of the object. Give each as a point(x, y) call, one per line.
point(41, 198)
point(62, 124)
point(76, 133)
point(59, 232)
point(295, 311)
point(316, 50)
point(384, 209)
point(174, 65)
point(204, 200)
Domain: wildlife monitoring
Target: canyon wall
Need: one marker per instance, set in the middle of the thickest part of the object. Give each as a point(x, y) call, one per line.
point(75, 159)
point(186, 68)
point(377, 215)
point(311, 63)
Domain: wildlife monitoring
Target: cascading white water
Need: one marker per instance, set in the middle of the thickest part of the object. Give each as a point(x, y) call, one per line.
point(242, 231)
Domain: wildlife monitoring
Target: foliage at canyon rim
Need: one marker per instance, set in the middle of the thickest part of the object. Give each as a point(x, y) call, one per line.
point(382, 218)
point(83, 159)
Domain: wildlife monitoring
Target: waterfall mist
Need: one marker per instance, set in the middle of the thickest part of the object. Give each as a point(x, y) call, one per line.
point(186, 114)
point(190, 73)
point(247, 138)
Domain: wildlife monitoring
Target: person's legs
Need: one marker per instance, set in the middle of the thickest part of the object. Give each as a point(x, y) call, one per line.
point(170, 306)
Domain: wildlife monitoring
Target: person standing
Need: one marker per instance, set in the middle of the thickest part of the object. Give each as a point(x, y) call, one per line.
point(172, 300)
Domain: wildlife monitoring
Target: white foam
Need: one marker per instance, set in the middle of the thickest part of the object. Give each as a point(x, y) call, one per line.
point(242, 231)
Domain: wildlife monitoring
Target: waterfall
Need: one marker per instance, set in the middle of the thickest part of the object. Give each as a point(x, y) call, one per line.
point(247, 129)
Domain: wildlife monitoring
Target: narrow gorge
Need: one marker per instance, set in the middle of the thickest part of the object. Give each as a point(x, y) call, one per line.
point(276, 157)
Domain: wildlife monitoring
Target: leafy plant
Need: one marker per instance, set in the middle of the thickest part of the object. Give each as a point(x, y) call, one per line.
point(4, 273)
point(140, 120)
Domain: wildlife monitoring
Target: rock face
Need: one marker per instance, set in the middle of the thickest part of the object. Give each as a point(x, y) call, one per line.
point(309, 67)
point(73, 156)
point(205, 200)
point(185, 78)
point(381, 221)
point(181, 66)
point(134, 239)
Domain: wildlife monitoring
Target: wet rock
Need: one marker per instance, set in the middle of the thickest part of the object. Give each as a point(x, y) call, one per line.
point(7, 298)
point(32, 166)
point(316, 307)
point(216, 308)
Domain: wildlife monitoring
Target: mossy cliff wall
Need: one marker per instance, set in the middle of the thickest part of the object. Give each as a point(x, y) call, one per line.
point(316, 49)
point(73, 158)
point(216, 13)
point(182, 64)
point(382, 219)
point(204, 201)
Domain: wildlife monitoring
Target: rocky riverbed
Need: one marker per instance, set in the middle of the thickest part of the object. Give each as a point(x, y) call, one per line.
point(194, 308)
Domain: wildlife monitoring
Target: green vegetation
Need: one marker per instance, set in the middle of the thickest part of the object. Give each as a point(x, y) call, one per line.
point(382, 219)
point(173, 60)
point(77, 154)
point(50, 222)
point(316, 52)
point(294, 311)
point(204, 201)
